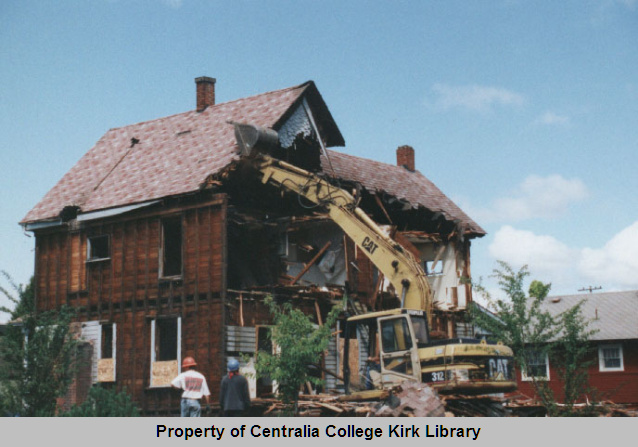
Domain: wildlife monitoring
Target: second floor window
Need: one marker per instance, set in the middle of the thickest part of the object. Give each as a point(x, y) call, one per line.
point(99, 248)
point(171, 248)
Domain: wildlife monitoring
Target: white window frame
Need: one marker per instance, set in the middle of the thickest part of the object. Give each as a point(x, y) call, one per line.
point(96, 338)
point(601, 357)
point(429, 266)
point(179, 349)
point(526, 378)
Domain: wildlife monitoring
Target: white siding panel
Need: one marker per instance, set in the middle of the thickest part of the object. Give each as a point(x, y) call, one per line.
point(241, 339)
point(331, 362)
point(92, 332)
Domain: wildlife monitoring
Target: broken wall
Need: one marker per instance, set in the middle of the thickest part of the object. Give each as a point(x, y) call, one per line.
point(303, 243)
point(445, 268)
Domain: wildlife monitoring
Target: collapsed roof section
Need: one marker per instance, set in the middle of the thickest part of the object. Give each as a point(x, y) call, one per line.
point(411, 188)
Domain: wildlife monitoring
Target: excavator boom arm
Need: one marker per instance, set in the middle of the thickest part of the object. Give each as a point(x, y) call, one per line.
point(395, 263)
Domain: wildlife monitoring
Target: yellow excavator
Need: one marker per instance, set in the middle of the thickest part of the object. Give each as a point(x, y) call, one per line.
point(397, 340)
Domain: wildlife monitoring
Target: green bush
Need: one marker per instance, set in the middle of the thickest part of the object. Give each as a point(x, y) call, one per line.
point(103, 402)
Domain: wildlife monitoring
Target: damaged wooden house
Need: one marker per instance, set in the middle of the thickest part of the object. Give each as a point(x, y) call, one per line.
point(166, 241)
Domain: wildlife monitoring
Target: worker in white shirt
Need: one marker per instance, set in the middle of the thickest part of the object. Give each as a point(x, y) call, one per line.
point(194, 386)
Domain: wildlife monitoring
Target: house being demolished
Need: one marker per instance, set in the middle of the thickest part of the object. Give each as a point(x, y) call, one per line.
point(166, 242)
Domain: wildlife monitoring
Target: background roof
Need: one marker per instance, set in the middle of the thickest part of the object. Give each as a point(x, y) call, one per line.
point(613, 314)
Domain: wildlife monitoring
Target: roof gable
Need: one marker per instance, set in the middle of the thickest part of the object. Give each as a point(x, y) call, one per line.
point(172, 155)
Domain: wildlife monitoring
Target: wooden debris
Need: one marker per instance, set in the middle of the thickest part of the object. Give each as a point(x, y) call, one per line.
point(311, 263)
point(385, 212)
point(418, 400)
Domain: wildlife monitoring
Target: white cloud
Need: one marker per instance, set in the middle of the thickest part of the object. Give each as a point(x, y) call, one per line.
point(552, 119)
point(535, 197)
point(616, 262)
point(613, 267)
point(545, 255)
point(475, 98)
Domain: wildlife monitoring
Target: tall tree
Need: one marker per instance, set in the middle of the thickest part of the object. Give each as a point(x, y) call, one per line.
point(38, 353)
point(533, 333)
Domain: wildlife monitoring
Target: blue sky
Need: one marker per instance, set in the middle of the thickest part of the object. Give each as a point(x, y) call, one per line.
point(523, 112)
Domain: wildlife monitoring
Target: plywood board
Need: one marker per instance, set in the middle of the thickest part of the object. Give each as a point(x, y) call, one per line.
point(163, 373)
point(106, 370)
point(353, 361)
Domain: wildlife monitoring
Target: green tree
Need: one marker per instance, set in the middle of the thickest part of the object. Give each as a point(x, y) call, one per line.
point(23, 297)
point(103, 402)
point(299, 343)
point(573, 355)
point(531, 331)
point(38, 353)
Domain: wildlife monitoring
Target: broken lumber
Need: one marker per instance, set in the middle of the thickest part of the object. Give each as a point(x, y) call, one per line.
point(311, 263)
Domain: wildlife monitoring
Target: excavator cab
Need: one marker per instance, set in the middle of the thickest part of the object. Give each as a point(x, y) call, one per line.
point(391, 340)
point(400, 338)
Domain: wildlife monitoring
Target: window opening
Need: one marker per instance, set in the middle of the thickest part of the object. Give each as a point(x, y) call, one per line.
point(172, 247)
point(107, 341)
point(264, 384)
point(264, 343)
point(99, 247)
point(106, 362)
point(165, 350)
point(166, 339)
point(431, 269)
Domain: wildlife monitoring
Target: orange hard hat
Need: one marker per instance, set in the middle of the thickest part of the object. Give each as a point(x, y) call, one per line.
point(188, 361)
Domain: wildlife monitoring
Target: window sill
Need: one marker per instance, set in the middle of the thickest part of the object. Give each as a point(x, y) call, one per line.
point(531, 379)
point(92, 261)
point(168, 281)
point(171, 278)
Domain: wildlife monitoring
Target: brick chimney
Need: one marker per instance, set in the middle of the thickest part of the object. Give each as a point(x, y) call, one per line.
point(405, 157)
point(205, 92)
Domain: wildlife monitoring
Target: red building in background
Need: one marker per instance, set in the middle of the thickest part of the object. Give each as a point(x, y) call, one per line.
point(613, 374)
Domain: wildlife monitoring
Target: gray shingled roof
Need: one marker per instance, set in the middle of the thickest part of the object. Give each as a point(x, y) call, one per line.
point(613, 314)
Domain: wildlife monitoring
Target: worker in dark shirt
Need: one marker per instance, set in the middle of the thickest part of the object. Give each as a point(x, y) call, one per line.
point(234, 399)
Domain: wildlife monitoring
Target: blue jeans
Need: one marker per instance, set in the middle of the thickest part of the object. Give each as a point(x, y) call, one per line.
point(191, 408)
